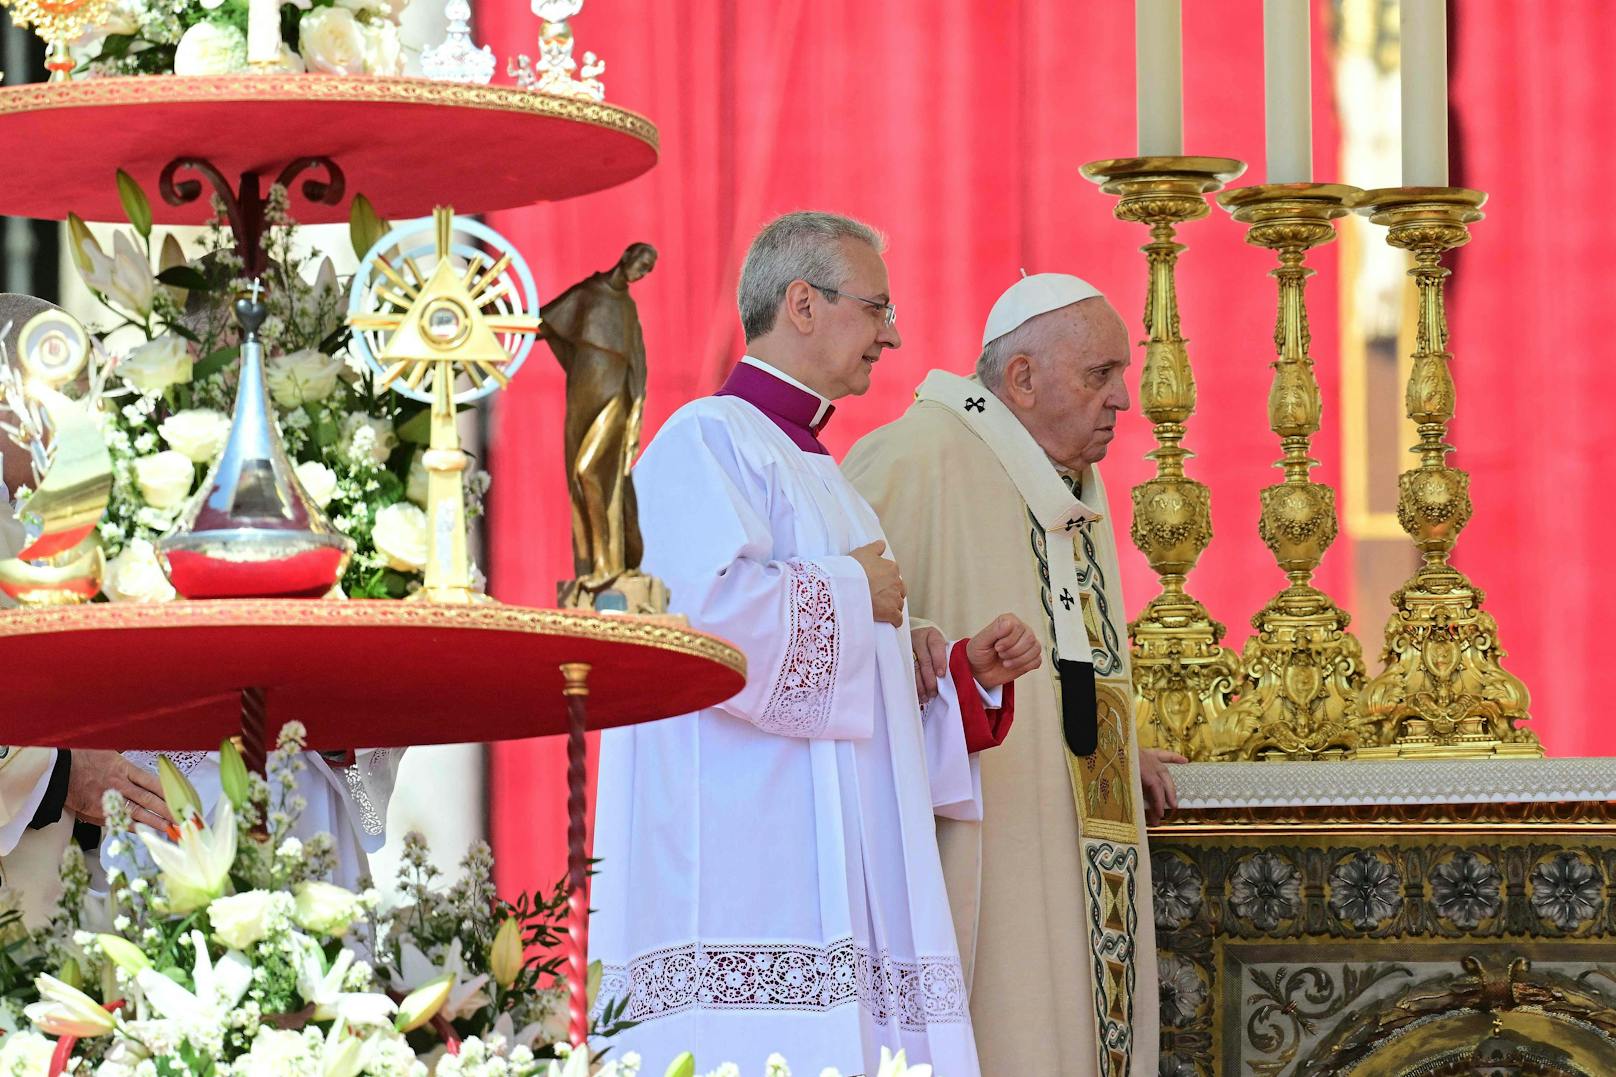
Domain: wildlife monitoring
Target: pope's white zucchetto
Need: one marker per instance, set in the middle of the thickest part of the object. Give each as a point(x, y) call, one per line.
point(1031, 296)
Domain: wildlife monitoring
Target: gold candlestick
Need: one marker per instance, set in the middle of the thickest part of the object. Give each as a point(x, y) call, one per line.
point(1443, 692)
point(1182, 674)
point(1303, 669)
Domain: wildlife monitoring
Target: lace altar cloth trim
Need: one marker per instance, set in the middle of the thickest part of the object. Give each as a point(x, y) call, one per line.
point(1394, 781)
point(758, 976)
point(800, 702)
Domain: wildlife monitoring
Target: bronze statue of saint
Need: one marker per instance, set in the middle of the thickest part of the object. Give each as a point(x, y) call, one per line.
point(594, 330)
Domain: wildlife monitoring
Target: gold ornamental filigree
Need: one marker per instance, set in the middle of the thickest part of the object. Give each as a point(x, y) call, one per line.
point(1444, 691)
point(1183, 675)
point(58, 23)
point(366, 89)
point(1303, 668)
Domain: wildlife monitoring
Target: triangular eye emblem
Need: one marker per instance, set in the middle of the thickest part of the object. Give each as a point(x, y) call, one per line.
point(444, 320)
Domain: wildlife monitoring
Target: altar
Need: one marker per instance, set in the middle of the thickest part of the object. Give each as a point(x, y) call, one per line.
point(1433, 916)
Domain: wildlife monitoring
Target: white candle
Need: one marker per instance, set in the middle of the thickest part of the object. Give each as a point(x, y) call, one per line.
point(1160, 65)
point(1287, 90)
point(1424, 28)
point(264, 31)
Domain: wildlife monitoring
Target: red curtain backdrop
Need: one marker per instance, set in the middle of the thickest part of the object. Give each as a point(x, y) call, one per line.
point(1535, 102)
point(958, 128)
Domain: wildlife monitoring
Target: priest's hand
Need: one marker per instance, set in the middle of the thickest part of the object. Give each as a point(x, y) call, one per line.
point(1161, 793)
point(931, 661)
point(1003, 651)
point(886, 586)
point(92, 773)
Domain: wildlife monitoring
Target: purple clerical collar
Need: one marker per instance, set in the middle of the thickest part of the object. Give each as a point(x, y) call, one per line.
point(798, 412)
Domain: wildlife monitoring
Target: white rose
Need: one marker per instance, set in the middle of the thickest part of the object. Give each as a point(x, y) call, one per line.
point(400, 536)
point(26, 1052)
point(383, 55)
point(318, 481)
point(135, 576)
point(416, 486)
point(157, 364)
point(199, 433)
point(278, 1050)
point(241, 919)
point(332, 41)
point(164, 478)
point(210, 48)
point(301, 377)
point(365, 436)
point(323, 908)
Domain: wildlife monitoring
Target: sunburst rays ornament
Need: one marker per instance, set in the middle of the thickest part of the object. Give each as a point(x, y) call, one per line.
point(440, 312)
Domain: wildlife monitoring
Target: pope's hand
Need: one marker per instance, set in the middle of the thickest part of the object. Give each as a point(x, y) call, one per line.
point(1003, 651)
point(931, 661)
point(886, 586)
point(1161, 793)
point(91, 773)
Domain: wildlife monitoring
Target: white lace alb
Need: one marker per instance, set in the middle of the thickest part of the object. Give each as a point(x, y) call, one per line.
point(771, 976)
point(799, 703)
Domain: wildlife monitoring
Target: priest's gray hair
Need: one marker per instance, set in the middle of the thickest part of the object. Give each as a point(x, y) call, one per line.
point(806, 246)
point(1028, 338)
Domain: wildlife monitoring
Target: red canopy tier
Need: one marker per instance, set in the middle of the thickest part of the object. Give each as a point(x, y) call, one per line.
point(407, 144)
point(369, 674)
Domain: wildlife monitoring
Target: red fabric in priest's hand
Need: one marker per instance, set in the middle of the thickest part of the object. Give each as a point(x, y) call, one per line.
point(371, 674)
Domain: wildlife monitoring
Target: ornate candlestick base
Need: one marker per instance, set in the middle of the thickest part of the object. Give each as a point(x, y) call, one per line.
point(1182, 674)
point(1443, 692)
point(1303, 669)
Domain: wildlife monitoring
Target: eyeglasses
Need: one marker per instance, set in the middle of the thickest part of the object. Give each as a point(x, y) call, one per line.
point(889, 310)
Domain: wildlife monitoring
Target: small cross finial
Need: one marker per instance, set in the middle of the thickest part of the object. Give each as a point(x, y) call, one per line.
point(257, 287)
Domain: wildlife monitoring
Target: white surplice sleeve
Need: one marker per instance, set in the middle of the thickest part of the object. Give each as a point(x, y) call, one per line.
point(804, 623)
point(25, 775)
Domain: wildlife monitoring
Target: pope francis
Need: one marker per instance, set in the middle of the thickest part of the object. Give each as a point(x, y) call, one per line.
point(988, 490)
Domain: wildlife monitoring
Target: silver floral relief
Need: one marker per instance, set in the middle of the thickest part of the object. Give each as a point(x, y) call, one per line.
point(1365, 889)
point(1274, 951)
point(1265, 889)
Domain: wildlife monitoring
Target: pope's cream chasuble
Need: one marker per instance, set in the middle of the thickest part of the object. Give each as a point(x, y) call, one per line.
point(1051, 889)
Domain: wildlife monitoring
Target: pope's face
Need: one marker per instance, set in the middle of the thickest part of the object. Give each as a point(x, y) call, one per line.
point(1080, 377)
point(855, 333)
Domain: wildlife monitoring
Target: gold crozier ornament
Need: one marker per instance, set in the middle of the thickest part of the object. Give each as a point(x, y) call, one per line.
point(439, 325)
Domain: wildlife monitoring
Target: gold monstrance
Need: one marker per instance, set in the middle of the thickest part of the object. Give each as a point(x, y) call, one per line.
point(467, 315)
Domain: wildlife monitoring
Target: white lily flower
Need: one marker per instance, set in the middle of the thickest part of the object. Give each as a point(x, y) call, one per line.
point(465, 998)
point(344, 1053)
point(217, 987)
point(575, 1064)
point(125, 278)
point(322, 988)
point(197, 868)
point(67, 1011)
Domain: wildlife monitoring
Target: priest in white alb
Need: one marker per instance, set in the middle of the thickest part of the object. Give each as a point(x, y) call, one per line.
point(769, 876)
point(989, 489)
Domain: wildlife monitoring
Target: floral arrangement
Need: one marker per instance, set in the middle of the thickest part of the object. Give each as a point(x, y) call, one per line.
point(219, 950)
point(165, 382)
point(209, 37)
